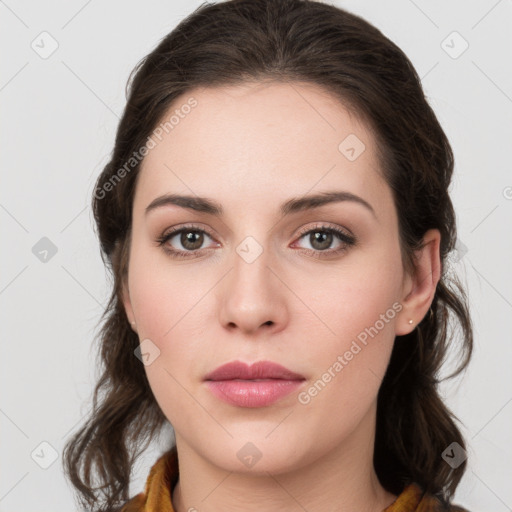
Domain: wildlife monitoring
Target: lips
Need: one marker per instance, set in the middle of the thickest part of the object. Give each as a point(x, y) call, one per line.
point(237, 370)
point(258, 385)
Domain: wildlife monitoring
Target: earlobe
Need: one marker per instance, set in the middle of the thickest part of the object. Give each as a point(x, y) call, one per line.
point(419, 289)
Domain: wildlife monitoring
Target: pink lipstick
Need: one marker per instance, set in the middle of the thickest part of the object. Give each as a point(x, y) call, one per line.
point(258, 385)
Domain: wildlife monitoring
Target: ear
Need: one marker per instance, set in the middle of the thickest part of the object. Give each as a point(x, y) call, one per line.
point(127, 303)
point(418, 289)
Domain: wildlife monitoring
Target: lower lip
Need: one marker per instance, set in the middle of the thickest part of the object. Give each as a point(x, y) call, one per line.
point(252, 393)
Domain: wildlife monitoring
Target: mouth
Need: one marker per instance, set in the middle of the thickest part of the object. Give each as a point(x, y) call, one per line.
point(262, 370)
point(258, 385)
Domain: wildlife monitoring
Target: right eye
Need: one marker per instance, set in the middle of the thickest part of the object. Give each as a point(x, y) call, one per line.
point(191, 238)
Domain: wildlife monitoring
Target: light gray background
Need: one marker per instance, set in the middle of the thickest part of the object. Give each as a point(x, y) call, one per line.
point(58, 123)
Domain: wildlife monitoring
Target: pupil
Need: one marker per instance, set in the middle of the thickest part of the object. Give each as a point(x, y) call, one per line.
point(323, 237)
point(190, 240)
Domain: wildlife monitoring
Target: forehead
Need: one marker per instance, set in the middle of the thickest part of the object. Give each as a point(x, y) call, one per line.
point(254, 142)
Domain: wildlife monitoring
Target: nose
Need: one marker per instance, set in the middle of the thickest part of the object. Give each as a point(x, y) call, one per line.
point(253, 297)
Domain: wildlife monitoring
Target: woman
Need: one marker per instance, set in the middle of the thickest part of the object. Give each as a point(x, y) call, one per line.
point(277, 220)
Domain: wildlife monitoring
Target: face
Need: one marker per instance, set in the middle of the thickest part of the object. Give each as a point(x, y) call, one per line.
point(313, 286)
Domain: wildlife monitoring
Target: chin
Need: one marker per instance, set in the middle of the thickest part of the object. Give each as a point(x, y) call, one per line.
point(257, 457)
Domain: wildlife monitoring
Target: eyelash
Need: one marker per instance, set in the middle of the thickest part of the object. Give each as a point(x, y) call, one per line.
point(347, 240)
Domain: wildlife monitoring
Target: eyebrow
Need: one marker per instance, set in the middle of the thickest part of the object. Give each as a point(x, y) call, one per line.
point(294, 205)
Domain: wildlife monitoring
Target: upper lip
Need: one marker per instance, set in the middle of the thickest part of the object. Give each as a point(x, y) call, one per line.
point(259, 370)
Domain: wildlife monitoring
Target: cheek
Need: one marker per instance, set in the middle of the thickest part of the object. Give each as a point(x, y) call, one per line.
point(359, 306)
point(354, 299)
point(164, 295)
point(347, 374)
point(169, 301)
point(166, 301)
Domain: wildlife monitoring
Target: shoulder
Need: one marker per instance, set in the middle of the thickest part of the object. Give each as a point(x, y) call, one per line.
point(431, 503)
point(162, 478)
point(414, 499)
point(135, 504)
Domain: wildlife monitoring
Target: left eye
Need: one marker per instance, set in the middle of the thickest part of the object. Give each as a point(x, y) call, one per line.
point(190, 239)
point(321, 238)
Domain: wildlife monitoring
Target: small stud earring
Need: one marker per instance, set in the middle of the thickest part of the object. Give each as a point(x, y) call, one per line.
point(410, 321)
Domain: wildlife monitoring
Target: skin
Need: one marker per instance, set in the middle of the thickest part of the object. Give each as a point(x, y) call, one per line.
point(250, 148)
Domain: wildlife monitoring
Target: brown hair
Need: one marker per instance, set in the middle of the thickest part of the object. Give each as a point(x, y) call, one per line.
point(285, 40)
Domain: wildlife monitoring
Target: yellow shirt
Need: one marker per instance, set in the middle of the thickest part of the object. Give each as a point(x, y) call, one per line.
point(163, 476)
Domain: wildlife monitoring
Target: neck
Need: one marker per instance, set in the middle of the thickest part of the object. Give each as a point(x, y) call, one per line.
point(342, 477)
